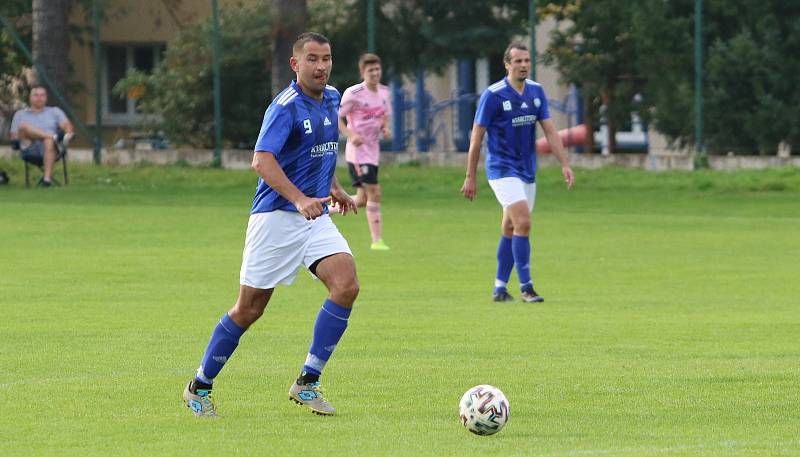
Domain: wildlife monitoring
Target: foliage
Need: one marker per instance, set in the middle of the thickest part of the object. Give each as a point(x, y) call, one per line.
point(14, 65)
point(750, 65)
point(598, 53)
point(289, 20)
point(665, 60)
point(417, 34)
point(753, 100)
point(12, 60)
point(16, 12)
point(178, 97)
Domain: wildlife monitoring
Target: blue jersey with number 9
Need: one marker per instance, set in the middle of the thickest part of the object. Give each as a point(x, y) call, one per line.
point(303, 135)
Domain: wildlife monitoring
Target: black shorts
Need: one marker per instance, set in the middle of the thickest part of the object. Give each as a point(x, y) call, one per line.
point(369, 174)
point(34, 153)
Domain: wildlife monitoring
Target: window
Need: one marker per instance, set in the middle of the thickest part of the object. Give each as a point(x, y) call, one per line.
point(118, 60)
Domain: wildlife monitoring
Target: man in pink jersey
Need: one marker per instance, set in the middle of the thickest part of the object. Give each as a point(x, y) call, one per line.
point(364, 118)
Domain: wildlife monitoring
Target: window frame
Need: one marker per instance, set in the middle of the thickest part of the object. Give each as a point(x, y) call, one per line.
point(130, 117)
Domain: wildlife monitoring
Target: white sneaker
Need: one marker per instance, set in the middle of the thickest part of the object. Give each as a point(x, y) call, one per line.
point(200, 402)
point(310, 396)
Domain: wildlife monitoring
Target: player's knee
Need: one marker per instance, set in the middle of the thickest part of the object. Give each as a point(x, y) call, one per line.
point(347, 291)
point(522, 227)
point(376, 193)
point(249, 314)
point(248, 311)
point(351, 290)
point(507, 227)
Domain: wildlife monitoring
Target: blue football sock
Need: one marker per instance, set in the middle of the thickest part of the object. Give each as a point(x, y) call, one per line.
point(521, 246)
point(505, 261)
point(223, 342)
point(329, 328)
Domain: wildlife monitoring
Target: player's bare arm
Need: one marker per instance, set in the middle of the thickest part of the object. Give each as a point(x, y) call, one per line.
point(558, 151)
point(468, 188)
point(353, 136)
point(385, 130)
point(270, 170)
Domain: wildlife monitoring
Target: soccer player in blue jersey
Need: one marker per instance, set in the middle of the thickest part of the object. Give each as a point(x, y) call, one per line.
point(508, 111)
point(295, 158)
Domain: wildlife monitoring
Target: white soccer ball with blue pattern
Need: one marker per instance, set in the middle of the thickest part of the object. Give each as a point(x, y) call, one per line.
point(484, 410)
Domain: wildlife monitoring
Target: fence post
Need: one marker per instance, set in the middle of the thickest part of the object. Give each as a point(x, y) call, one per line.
point(398, 115)
point(421, 113)
point(371, 26)
point(465, 104)
point(701, 159)
point(532, 32)
point(217, 88)
point(98, 96)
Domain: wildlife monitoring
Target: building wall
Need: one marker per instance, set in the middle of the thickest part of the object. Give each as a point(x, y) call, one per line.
point(549, 77)
point(126, 23)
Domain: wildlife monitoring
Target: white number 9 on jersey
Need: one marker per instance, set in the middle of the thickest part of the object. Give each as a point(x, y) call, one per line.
point(307, 125)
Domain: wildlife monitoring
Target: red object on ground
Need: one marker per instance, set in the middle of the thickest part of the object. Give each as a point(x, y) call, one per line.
point(574, 136)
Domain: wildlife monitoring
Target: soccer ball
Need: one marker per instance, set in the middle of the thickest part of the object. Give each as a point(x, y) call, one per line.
point(484, 410)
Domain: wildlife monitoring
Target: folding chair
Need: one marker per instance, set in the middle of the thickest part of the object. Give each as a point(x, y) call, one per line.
point(61, 156)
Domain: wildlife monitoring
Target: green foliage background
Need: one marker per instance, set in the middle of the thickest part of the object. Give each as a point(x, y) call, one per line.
point(613, 50)
point(618, 48)
point(178, 95)
point(414, 34)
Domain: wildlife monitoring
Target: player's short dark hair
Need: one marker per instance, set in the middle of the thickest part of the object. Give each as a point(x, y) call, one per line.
point(305, 37)
point(39, 86)
point(368, 58)
point(514, 45)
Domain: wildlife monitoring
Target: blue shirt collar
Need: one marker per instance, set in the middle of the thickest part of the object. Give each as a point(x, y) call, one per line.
point(511, 88)
point(297, 88)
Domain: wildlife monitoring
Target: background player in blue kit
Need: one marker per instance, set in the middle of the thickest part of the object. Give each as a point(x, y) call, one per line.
point(508, 111)
point(295, 158)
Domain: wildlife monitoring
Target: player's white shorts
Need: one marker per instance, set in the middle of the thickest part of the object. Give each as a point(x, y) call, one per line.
point(511, 190)
point(278, 242)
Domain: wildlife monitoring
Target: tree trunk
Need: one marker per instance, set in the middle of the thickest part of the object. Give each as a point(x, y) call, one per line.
point(288, 21)
point(51, 43)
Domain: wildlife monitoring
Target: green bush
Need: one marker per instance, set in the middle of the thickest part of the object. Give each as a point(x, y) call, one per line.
point(178, 98)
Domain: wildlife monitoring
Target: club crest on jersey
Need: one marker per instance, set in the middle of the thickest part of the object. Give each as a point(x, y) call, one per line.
point(507, 105)
point(537, 102)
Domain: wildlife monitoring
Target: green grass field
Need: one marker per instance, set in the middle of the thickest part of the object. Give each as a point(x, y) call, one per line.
point(671, 325)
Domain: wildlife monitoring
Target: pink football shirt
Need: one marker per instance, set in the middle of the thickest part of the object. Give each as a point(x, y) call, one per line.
point(365, 111)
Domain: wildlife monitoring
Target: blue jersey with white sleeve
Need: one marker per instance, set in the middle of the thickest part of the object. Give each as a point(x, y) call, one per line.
point(510, 121)
point(303, 135)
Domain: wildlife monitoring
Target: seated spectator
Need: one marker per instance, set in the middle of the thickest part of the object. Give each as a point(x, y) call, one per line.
point(37, 129)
